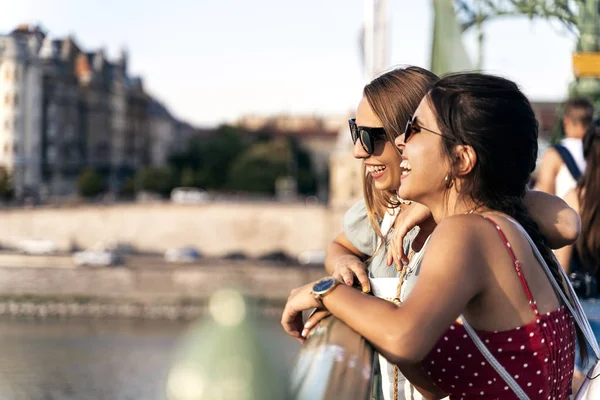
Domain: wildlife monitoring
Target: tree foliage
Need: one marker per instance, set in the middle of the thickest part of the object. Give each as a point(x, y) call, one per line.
point(90, 183)
point(472, 12)
point(156, 180)
point(6, 185)
point(235, 160)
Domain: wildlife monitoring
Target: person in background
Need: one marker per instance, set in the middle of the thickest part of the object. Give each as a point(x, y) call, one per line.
point(582, 260)
point(563, 163)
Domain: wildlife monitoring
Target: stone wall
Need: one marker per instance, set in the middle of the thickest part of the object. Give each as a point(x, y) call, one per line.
point(160, 285)
point(214, 228)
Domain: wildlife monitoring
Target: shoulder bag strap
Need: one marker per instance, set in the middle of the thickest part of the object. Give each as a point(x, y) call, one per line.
point(493, 361)
point(569, 161)
point(576, 309)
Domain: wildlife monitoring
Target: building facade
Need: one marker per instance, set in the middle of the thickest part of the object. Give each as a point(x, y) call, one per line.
point(20, 110)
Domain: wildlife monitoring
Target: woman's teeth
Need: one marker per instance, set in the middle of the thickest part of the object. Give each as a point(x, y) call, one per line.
point(405, 165)
point(376, 169)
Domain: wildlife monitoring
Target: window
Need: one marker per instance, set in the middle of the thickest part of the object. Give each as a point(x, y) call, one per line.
point(16, 99)
point(7, 74)
point(6, 99)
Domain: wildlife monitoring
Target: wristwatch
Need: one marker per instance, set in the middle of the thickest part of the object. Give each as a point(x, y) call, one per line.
point(323, 288)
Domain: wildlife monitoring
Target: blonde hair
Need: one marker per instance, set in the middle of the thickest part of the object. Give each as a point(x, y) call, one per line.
point(393, 96)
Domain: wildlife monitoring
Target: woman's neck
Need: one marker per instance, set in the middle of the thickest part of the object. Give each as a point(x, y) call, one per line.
point(451, 205)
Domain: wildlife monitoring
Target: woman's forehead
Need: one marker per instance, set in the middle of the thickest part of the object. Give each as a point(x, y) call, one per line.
point(365, 115)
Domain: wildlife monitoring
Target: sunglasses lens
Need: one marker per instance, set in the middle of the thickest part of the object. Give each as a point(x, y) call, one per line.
point(407, 130)
point(366, 140)
point(353, 131)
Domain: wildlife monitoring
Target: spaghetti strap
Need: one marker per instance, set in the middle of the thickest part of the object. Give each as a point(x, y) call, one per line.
point(516, 263)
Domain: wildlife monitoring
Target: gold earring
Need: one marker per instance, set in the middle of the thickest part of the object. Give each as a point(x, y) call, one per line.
point(449, 181)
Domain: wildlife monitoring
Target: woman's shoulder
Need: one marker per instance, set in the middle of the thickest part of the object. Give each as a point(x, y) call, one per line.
point(358, 229)
point(463, 234)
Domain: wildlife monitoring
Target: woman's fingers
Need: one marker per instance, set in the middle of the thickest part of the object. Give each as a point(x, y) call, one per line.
point(313, 320)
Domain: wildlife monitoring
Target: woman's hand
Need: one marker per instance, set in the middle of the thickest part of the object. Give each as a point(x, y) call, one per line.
point(412, 215)
point(314, 320)
point(300, 299)
point(349, 266)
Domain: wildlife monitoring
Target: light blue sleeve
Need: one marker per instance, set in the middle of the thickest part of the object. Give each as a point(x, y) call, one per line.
point(358, 229)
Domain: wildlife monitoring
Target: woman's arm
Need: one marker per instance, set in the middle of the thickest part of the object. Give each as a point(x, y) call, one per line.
point(558, 223)
point(440, 295)
point(420, 380)
point(344, 261)
point(564, 254)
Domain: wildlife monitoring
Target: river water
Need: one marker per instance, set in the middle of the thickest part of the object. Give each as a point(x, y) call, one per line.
point(89, 359)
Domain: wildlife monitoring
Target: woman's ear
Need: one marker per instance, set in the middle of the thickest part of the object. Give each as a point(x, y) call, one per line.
point(465, 160)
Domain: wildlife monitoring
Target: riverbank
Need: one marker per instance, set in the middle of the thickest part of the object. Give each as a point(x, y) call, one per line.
point(31, 306)
point(175, 292)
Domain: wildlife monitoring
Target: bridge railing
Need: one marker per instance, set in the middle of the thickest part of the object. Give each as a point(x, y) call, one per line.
point(334, 363)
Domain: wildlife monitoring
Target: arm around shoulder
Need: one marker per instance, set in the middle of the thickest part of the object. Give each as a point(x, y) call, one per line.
point(558, 222)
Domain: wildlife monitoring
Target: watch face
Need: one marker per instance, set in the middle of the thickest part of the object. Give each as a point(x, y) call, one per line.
point(323, 285)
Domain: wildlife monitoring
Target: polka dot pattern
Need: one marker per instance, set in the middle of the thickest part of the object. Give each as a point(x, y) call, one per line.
point(539, 355)
point(542, 370)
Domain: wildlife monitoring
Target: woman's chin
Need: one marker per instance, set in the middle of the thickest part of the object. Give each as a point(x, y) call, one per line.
point(404, 194)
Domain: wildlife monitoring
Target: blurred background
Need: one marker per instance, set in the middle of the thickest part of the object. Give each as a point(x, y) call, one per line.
point(153, 152)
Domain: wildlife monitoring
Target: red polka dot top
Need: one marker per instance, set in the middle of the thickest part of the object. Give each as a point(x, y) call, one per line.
point(539, 355)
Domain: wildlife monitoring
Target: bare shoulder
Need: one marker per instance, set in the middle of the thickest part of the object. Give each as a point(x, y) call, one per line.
point(456, 251)
point(551, 158)
point(463, 225)
point(459, 235)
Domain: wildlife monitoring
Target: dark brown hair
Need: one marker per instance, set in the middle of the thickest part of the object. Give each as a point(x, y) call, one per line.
point(579, 110)
point(494, 117)
point(588, 245)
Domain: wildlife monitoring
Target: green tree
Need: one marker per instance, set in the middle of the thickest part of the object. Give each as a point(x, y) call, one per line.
point(6, 186)
point(156, 180)
point(259, 167)
point(188, 177)
point(303, 168)
point(90, 183)
point(128, 188)
point(210, 158)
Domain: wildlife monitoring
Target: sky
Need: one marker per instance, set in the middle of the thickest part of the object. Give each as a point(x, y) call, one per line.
point(213, 61)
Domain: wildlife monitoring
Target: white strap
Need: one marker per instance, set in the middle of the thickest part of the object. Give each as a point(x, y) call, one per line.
point(577, 312)
point(493, 361)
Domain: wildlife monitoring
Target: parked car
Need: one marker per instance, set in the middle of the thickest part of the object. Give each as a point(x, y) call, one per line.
point(37, 246)
point(277, 256)
point(97, 256)
point(188, 195)
point(182, 255)
point(235, 256)
point(312, 257)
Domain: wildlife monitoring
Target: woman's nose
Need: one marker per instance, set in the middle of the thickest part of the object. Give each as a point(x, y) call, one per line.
point(358, 151)
point(399, 142)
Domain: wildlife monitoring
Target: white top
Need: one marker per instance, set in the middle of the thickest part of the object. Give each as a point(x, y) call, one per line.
point(564, 181)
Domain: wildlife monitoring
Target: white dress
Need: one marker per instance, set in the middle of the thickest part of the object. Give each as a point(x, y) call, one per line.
point(386, 288)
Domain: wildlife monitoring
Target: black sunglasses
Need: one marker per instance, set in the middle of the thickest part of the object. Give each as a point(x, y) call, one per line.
point(412, 127)
point(366, 134)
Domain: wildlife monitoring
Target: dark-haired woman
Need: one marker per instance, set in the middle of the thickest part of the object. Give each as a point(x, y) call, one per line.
point(469, 150)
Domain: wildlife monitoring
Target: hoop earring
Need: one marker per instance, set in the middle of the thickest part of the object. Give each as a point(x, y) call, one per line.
point(449, 181)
